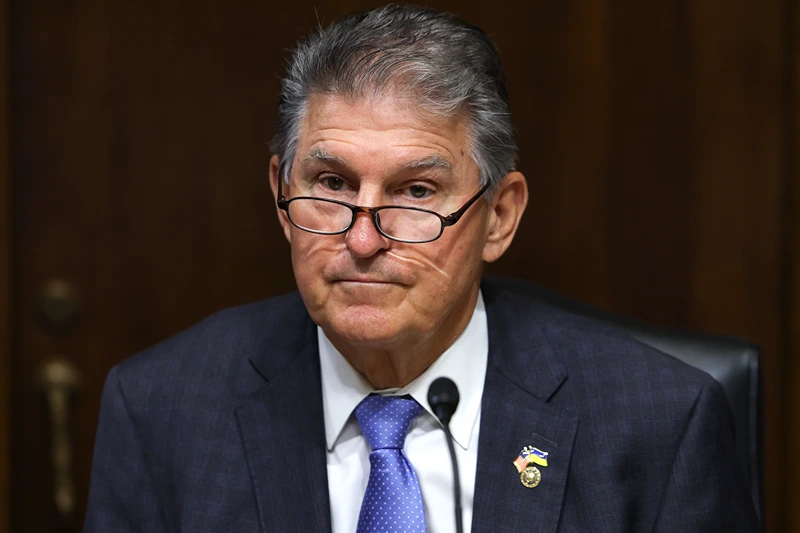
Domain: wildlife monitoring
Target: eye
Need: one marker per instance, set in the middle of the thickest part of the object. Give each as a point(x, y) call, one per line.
point(419, 191)
point(333, 183)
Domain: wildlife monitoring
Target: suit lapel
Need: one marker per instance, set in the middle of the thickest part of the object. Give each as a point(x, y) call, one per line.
point(526, 402)
point(282, 431)
point(510, 421)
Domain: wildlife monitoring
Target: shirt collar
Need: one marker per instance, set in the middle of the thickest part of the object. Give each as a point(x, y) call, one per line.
point(464, 362)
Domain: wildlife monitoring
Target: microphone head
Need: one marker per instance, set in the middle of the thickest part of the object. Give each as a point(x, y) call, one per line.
point(443, 399)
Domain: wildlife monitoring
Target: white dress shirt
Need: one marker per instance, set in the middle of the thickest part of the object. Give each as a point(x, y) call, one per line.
point(348, 451)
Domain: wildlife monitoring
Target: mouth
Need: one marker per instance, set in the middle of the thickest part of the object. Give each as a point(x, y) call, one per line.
point(367, 281)
point(369, 276)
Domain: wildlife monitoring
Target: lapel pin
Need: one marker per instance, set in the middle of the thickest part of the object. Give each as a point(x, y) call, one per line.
point(529, 475)
point(538, 456)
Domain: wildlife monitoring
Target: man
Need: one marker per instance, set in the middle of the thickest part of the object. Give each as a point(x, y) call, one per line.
point(394, 180)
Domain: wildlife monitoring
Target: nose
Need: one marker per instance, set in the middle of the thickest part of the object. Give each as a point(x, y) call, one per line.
point(363, 239)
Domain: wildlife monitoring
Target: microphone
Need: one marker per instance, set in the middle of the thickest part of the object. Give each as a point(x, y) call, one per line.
point(443, 399)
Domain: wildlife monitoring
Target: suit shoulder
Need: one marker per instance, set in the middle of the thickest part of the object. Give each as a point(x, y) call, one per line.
point(612, 351)
point(210, 351)
point(601, 357)
point(582, 334)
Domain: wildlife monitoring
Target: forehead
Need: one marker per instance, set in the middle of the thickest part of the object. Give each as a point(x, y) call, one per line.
point(380, 131)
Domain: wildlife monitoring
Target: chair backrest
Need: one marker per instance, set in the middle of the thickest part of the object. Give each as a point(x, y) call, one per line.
point(733, 362)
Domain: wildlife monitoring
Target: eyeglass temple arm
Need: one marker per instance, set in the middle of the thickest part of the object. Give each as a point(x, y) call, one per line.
point(454, 217)
point(281, 198)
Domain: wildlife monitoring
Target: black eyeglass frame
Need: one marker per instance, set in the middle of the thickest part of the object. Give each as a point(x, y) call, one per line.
point(448, 220)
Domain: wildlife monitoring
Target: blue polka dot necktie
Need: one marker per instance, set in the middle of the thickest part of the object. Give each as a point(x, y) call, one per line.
point(393, 501)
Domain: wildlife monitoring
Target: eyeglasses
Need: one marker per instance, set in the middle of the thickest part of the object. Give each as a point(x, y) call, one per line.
point(398, 223)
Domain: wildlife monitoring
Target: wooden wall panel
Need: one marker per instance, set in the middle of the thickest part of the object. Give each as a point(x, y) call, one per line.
point(737, 280)
point(793, 305)
point(792, 429)
point(5, 278)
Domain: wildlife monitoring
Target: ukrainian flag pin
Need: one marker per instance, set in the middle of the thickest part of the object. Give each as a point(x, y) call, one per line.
point(529, 475)
point(538, 456)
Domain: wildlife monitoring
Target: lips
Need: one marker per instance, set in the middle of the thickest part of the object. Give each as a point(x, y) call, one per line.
point(372, 273)
point(368, 279)
point(364, 280)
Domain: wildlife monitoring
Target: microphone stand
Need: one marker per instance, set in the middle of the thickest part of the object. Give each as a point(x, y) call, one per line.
point(456, 480)
point(443, 398)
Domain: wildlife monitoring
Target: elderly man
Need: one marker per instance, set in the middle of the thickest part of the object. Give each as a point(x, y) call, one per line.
point(394, 181)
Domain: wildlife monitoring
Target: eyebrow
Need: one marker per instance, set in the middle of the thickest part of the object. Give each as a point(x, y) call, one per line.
point(318, 154)
point(431, 161)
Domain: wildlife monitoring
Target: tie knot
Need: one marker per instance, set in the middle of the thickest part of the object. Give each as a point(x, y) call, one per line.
point(384, 420)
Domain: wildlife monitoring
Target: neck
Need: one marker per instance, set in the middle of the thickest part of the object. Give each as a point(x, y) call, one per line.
point(396, 364)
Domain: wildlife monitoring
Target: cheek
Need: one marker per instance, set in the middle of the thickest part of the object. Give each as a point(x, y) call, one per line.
point(311, 248)
point(442, 272)
point(421, 263)
point(454, 256)
point(310, 255)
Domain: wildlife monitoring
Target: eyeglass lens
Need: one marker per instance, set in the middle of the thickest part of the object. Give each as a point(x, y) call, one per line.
point(398, 223)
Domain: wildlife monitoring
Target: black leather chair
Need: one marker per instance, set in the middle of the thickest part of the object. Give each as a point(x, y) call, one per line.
point(733, 362)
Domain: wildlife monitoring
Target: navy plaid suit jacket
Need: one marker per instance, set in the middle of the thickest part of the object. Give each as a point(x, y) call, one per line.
point(220, 429)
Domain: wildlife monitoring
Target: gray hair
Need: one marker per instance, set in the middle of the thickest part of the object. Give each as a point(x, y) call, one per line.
point(448, 65)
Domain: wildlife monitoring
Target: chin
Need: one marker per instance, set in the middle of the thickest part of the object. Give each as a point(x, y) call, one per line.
point(370, 326)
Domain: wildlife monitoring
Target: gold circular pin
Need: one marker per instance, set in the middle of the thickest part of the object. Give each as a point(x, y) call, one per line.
point(530, 477)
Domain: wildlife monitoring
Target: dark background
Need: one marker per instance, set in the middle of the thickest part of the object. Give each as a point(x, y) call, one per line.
point(659, 139)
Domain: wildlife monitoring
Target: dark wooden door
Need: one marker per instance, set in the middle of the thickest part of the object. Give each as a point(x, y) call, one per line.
point(653, 136)
point(140, 180)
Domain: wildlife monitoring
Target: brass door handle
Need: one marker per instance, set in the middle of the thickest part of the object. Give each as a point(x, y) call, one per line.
point(59, 379)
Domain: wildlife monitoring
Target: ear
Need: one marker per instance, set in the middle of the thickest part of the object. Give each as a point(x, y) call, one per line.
point(274, 176)
point(505, 212)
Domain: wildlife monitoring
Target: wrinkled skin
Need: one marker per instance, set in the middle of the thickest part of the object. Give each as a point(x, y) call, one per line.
point(392, 308)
